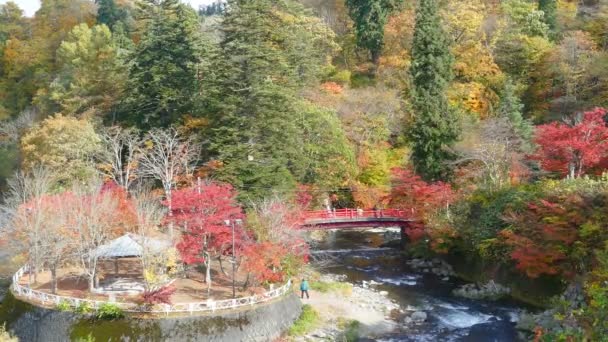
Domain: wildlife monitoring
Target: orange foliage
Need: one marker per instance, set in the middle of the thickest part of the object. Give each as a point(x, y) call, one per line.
point(332, 88)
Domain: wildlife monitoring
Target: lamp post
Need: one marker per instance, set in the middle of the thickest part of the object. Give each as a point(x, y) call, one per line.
point(232, 223)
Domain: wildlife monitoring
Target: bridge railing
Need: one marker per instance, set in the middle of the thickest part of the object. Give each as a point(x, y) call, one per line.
point(349, 213)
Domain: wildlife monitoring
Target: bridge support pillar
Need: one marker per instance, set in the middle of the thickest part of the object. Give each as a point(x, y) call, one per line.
point(404, 239)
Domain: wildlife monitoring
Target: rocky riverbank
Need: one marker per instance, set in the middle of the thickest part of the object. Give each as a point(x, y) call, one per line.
point(373, 311)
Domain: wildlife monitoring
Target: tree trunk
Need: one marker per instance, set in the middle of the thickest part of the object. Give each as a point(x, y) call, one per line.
point(208, 275)
point(91, 283)
point(54, 279)
point(246, 284)
point(219, 259)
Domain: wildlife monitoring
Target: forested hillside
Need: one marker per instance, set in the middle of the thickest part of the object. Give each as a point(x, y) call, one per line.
point(482, 117)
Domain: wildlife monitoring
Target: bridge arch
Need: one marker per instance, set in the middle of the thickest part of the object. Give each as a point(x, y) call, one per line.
point(356, 218)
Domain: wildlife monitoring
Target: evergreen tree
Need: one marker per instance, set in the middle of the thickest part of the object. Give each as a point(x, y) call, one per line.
point(163, 75)
point(256, 129)
point(110, 14)
point(91, 78)
point(434, 127)
point(549, 7)
point(370, 17)
point(511, 108)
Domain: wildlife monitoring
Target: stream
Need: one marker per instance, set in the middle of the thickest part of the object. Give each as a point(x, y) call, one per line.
point(357, 254)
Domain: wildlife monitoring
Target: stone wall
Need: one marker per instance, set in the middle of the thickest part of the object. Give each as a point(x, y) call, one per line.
point(263, 322)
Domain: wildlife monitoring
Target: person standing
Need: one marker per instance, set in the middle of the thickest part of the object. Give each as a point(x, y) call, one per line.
point(304, 288)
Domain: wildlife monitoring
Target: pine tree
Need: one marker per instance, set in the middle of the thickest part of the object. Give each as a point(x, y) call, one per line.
point(370, 17)
point(511, 108)
point(269, 51)
point(110, 14)
point(434, 127)
point(549, 7)
point(163, 76)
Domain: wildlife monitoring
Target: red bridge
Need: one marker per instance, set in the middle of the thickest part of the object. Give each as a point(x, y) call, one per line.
point(357, 218)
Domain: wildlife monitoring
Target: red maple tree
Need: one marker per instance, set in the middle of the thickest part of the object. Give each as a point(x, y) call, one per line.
point(419, 198)
point(200, 212)
point(554, 236)
point(576, 148)
point(263, 261)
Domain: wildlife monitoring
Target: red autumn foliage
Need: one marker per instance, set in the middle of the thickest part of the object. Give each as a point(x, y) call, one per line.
point(549, 236)
point(574, 150)
point(263, 260)
point(303, 197)
point(413, 194)
point(200, 212)
point(126, 213)
point(158, 296)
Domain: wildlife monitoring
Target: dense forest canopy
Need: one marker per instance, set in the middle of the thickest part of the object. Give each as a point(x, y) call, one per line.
point(467, 113)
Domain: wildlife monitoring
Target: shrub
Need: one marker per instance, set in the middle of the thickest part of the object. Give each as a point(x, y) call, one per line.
point(84, 308)
point(352, 331)
point(309, 318)
point(161, 295)
point(341, 77)
point(109, 311)
point(64, 306)
point(89, 338)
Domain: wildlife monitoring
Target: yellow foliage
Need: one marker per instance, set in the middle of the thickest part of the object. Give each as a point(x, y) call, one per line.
point(65, 145)
point(474, 97)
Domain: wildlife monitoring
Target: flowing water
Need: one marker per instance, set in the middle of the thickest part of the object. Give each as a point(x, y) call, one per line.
point(357, 255)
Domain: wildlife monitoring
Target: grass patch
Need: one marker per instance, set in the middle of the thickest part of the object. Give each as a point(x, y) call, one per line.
point(332, 286)
point(309, 319)
point(110, 311)
point(351, 334)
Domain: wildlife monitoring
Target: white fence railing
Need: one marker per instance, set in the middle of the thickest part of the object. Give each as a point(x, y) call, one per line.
point(208, 305)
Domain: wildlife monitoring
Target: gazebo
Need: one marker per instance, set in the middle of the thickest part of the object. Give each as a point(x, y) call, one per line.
point(128, 246)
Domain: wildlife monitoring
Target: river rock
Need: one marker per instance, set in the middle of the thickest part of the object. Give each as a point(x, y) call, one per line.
point(491, 290)
point(419, 316)
point(436, 266)
point(384, 293)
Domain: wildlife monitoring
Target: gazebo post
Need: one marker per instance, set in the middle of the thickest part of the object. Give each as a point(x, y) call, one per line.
point(116, 266)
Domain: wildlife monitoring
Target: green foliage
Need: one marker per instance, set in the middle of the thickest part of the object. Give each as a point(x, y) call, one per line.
point(65, 145)
point(434, 127)
point(481, 217)
point(352, 331)
point(370, 17)
point(525, 18)
point(549, 8)
point(110, 14)
point(109, 311)
point(84, 308)
point(308, 320)
point(331, 286)
point(92, 76)
point(64, 306)
point(88, 338)
point(326, 158)
point(341, 77)
point(257, 104)
point(511, 108)
point(163, 81)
